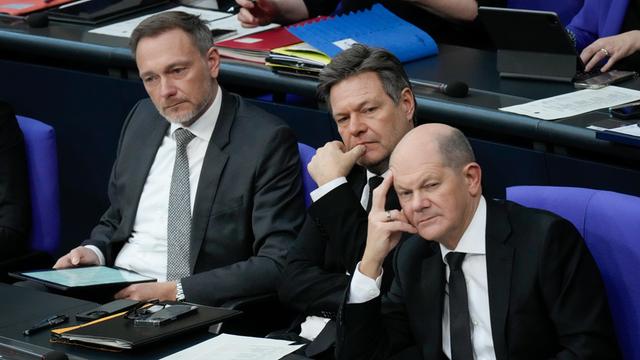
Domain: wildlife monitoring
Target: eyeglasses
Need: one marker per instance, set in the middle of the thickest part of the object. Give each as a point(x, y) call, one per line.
point(144, 309)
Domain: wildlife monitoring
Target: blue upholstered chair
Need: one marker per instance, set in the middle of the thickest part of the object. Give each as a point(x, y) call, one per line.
point(610, 224)
point(42, 165)
point(308, 185)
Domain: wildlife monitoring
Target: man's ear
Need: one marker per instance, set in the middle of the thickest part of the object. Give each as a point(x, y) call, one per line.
point(213, 62)
point(408, 103)
point(473, 176)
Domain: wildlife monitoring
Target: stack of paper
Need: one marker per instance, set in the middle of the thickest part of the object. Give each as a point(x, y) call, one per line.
point(256, 47)
point(233, 347)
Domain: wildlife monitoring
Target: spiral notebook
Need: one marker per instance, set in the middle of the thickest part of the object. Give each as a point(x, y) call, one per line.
point(377, 27)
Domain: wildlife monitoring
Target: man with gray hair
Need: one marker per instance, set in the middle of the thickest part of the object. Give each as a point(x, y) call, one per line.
point(371, 101)
point(205, 193)
point(485, 279)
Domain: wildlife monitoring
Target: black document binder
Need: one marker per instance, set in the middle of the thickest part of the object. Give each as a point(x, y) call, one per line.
point(93, 12)
point(117, 332)
point(531, 44)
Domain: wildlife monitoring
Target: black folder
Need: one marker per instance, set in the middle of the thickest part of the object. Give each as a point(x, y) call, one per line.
point(118, 332)
point(92, 12)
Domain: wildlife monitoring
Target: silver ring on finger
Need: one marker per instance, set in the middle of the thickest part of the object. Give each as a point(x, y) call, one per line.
point(605, 52)
point(388, 212)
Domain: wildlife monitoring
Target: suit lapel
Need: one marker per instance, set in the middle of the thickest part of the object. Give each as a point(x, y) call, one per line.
point(430, 301)
point(357, 178)
point(212, 167)
point(499, 264)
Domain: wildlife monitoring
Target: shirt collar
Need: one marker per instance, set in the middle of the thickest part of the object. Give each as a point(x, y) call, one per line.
point(370, 175)
point(473, 239)
point(203, 127)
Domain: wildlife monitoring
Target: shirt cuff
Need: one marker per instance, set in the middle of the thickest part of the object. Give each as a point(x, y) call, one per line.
point(98, 253)
point(326, 188)
point(363, 288)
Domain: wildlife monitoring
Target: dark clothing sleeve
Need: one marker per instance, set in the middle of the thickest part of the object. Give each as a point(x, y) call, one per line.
point(14, 187)
point(320, 7)
point(326, 248)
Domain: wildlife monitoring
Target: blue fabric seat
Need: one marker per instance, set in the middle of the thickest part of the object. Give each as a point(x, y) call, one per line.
point(308, 185)
point(42, 165)
point(610, 224)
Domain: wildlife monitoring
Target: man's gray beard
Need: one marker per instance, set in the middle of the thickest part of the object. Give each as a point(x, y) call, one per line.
point(191, 117)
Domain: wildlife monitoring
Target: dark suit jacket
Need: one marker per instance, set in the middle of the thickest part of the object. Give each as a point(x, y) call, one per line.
point(330, 243)
point(546, 296)
point(15, 213)
point(248, 206)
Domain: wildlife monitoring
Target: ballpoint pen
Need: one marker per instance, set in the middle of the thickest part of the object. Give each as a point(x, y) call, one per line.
point(50, 321)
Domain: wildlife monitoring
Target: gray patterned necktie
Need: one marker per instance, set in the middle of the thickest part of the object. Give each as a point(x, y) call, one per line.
point(179, 219)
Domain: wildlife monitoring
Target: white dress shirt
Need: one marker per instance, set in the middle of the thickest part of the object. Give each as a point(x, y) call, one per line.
point(312, 325)
point(474, 267)
point(145, 252)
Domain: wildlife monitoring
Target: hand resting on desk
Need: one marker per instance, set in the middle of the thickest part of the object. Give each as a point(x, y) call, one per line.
point(614, 47)
point(163, 291)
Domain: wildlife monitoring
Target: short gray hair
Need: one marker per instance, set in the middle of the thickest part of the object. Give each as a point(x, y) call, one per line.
point(455, 149)
point(359, 59)
point(160, 23)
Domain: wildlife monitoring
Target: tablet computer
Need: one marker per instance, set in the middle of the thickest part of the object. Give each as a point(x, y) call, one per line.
point(93, 12)
point(531, 44)
point(83, 277)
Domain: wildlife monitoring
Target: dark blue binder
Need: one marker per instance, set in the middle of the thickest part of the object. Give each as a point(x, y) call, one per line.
point(618, 137)
point(377, 27)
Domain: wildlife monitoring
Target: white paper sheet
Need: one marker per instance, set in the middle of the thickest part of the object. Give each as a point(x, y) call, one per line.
point(575, 103)
point(628, 130)
point(214, 19)
point(234, 347)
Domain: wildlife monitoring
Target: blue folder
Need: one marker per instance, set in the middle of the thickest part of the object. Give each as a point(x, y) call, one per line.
point(377, 27)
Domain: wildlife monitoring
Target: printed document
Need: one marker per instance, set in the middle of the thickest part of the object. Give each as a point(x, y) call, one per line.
point(234, 347)
point(575, 103)
point(214, 19)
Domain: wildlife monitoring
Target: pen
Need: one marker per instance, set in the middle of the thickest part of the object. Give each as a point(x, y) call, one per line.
point(51, 321)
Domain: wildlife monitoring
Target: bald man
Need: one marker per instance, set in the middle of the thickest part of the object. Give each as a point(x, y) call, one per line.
point(480, 280)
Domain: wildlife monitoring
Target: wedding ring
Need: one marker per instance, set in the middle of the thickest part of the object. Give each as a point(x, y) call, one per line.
point(388, 215)
point(606, 53)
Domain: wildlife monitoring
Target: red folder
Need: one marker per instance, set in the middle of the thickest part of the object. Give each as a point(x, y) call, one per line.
point(255, 47)
point(21, 7)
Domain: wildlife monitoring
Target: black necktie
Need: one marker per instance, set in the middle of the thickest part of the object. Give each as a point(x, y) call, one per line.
point(460, 328)
point(374, 182)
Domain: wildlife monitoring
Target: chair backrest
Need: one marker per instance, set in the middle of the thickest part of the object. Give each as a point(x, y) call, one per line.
point(306, 153)
point(42, 165)
point(610, 225)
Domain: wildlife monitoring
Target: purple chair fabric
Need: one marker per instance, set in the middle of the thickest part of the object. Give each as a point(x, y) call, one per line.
point(42, 165)
point(610, 225)
point(308, 185)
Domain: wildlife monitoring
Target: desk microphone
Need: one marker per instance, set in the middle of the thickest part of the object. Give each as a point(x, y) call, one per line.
point(35, 20)
point(454, 89)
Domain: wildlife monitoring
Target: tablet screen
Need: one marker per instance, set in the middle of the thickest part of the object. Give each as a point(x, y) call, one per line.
point(87, 276)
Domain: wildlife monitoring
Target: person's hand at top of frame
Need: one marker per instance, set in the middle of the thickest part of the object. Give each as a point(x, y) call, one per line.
point(613, 47)
point(256, 12)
